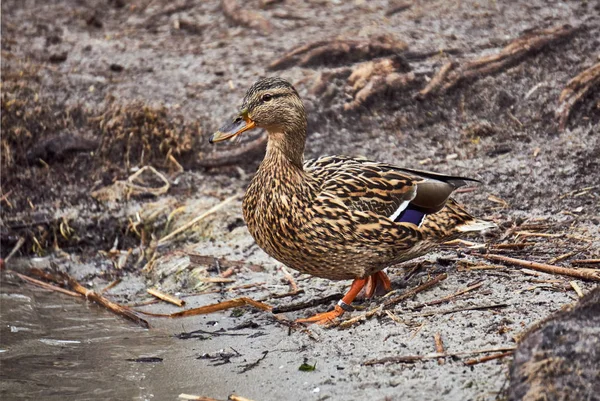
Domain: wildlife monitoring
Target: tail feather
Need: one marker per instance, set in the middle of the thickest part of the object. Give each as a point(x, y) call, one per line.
point(475, 225)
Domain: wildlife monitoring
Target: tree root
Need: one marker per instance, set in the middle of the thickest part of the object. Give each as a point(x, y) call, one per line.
point(339, 51)
point(451, 74)
point(575, 90)
point(243, 17)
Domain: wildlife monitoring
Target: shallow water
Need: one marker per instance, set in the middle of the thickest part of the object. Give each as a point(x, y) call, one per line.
point(55, 347)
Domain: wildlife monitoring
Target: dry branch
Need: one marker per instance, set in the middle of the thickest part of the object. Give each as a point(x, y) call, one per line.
point(451, 74)
point(416, 358)
point(546, 268)
point(339, 51)
point(575, 90)
point(244, 17)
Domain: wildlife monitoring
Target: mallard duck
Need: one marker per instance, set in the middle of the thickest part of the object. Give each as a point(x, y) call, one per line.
point(338, 217)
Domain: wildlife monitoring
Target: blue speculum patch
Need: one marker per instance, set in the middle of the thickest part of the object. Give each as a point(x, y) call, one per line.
point(411, 215)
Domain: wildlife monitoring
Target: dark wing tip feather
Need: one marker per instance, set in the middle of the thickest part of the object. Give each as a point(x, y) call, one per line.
point(453, 180)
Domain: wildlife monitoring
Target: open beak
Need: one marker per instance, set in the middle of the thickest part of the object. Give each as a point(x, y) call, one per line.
point(229, 131)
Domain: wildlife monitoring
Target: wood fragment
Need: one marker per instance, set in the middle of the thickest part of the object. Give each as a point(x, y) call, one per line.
point(451, 74)
point(577, 288)
point(234, 397)
point(395, 300)
point(189, 224)
point(439, 346)
point(165, 297)
point(245, 17)
point(416, 358)
point(546, 268)
point(212, 308)
point(574, 91)
point(475, 361)
point(15, 249)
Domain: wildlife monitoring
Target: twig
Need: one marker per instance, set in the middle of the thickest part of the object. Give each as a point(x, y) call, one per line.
point(585, 262)
point(462, 309)
point(165, 297)
point(439, 346)
point(120, 310)
point(451, 296)
point(44, 285)
point(393, 301)
point(111, 285)
point(190, 397)
point(309, 304)
point(475, 361)
point(203, 310)
point(196, 220)
point(252, 365)
point(15, 249)
point(543, 267)
point(416, 358)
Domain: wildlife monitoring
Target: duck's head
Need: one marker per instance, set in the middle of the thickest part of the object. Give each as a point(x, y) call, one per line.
point(272, 104)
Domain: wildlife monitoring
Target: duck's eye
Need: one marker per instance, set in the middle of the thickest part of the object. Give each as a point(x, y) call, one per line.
point(266, 97)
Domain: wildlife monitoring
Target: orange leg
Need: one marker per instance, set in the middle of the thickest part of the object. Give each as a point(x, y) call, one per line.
point(326, 317)
point(379, 279)
point(371, 283)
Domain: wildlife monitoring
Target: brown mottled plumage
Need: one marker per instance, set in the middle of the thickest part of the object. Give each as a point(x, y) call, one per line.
point(338, 217)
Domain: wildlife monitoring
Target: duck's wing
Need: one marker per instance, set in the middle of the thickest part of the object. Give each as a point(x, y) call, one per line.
point(402, 195)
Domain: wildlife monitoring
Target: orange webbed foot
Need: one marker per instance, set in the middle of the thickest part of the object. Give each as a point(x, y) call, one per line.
point(323, 318)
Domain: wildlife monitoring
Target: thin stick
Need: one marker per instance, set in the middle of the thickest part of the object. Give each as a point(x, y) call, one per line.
point(451, 296)
point(111, 285)
point(191, 397)
point(304, 305)
point(165, 297)
point(463, 309)
point(219, 306)
point(416, 358)
point(439, 346)
point(391, 302)
point(475, 361)
point(196, 220)
point(16, 248)
point(543, 267)
point(44, 285)
point(585, 262)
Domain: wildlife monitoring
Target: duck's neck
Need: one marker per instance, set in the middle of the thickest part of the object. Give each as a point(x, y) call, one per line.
point(285, 150)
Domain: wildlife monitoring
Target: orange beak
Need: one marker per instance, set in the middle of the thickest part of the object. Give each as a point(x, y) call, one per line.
point(231, 130)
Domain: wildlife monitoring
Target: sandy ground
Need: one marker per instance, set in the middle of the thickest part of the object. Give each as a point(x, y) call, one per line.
point(188, 77)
